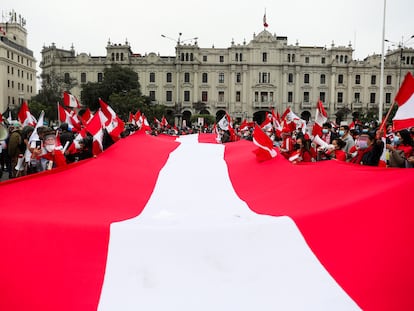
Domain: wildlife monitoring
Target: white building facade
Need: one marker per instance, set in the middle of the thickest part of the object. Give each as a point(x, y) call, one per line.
point(246, 78)
point(17, 64)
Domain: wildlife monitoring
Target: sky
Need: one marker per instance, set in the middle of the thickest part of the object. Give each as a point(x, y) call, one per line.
point(88, 25)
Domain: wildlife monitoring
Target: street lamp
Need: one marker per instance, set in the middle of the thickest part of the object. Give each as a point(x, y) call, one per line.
point(178, 41)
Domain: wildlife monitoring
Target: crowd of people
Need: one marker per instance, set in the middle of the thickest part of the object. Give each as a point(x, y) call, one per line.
point(362, 144)
point(25, 152)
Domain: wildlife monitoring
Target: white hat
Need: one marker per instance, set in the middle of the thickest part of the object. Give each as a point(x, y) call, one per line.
point(343, 123)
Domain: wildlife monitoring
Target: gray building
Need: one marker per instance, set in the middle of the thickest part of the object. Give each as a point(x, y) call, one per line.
point(17, 64)
point(247, 78)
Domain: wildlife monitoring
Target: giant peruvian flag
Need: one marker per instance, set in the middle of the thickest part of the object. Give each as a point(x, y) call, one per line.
point(142, 237)
point(404, 117)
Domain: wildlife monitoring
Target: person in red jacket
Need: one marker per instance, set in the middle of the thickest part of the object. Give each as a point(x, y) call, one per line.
point(53, 156)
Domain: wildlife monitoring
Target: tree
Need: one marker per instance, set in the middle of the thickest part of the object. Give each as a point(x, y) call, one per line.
point(120, 89)
point(51, 93)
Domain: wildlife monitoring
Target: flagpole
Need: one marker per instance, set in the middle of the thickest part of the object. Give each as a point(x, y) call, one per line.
point(381, 94)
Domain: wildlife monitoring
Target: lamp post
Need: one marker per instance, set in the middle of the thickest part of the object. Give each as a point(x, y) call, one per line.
point(178, 41)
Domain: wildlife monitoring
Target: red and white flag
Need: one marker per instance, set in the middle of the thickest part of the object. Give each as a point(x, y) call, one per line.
point(404, 117)
point(265, 24)
point(86, 116)
point(70, 100)
point(164, 122)
point(265, 144)
point(69, 117)
point(266, 125)
point(320, 118)
point(95, 128)
point(25, 117)
point(112, 123)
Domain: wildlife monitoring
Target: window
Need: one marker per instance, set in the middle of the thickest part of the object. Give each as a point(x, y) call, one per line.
point(264, 77)
point(264, 57)
point(169, 77)
point(238, 77)
point(241, 57)
point(357, 79)
point(322, 96)
point(357, 97)
point(306, 97)
point(340, 79)
point(290, 78)
point(204, 58)
point(307, 59)
point(323, 60)
point(389, 79)
point(152, 77)
point(186, 96)
point(204, 77)
point(388, 98)
point(306, 78)
point(152, 95)
point(323, 79)
point(221, 59)
point(288, 58)
point(340, 97)
point(83, 77)
point(263, 97)
point(290, 97)
point(238, 96)
point(293, 58)
point(221, 96)
point(204, 96)
point(67, 77)
point(372, 98)
point(221, 77)
point(168, 96)
point(186, 77)
point(373, 79)
point(100, 76)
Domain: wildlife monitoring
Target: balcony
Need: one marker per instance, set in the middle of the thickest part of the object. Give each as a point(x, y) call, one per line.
point(356, 105)
point(221, 104)
point(263, 104)
point(305, 105)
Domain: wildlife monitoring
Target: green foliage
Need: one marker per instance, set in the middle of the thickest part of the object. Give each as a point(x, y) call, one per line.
point(36, 108)
point(120, 89)
point(118, 80)
point(51, 93)
point(90, 94)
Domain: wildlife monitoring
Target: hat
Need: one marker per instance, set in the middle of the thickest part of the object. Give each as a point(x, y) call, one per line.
point(343, 123)
point(48, 134)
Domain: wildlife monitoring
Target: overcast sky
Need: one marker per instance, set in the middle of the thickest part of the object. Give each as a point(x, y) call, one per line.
point(88, 24)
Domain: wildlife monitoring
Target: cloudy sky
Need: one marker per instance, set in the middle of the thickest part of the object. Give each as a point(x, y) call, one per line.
point(89, 24)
